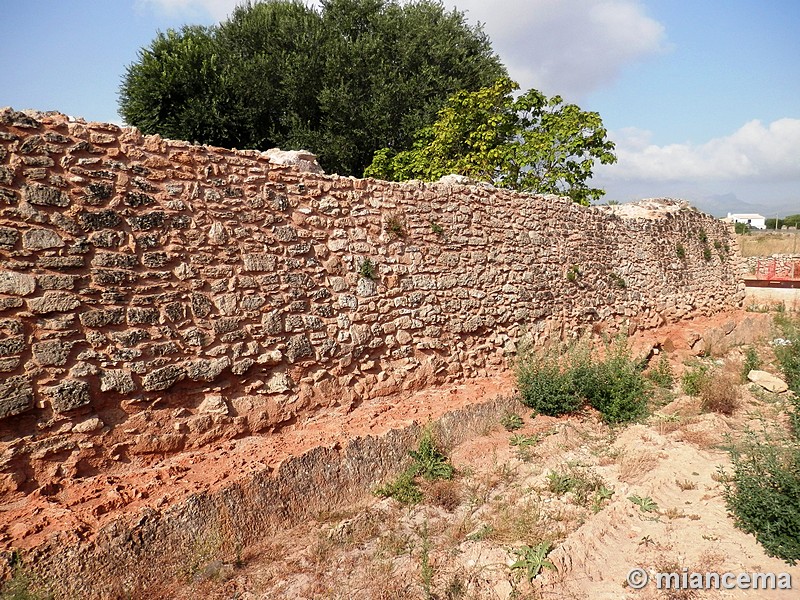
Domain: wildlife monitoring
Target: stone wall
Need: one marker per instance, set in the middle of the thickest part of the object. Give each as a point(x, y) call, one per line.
point(137, 271)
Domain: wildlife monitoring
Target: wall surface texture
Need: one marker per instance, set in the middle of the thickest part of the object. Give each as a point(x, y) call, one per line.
point(136, 271)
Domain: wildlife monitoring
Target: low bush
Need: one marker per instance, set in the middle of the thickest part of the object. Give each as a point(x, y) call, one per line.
point(430, 463)
point(693, 378)
point(763, 494)
point(558, 381)
point(662, 375)
point(720, 392)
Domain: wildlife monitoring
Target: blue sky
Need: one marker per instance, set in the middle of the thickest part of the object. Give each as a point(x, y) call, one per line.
point(701, 97)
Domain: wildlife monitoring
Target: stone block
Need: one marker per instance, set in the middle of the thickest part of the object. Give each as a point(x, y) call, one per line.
point(41, 239)
point(16, 396)
point(53, 302)
point(163, 378)
point(297, 347)
point(69, 395)
point(43, 195)
point(259, 262)
point(116, 380)
point(17, 284)
point(8, 237)
point(94, 221)
point(60, 262)
point(138, 316)
point(12, 345)
point(51, 353)
point(207, 370)
point(115, 260)
point(102, 317)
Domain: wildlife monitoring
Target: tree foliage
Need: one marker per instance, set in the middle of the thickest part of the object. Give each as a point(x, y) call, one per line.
point(342, 81)
point(531, 143)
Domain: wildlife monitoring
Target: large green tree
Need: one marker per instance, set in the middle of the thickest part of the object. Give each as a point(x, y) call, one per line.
point(531, 143)
point(343, 80)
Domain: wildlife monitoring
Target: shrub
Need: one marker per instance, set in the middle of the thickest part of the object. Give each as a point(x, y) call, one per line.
point(511, 421)
point(720, 392)
point(693, 378)
point(706, 253)
point(560, 382)
point(367, 269)
point(661, 374)
point(763, 494)
point(546, 387)
point(616, 387)
point(680, 251)
point(751, 361)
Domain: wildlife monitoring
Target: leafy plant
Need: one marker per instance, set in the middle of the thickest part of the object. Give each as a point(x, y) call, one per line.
point(645, 504)
point(436, 228)
point(763, 495)
point(429, 461)
point(693, 378)
point(403, 489)
point(511, 421)
point(751, 362)
point(532, 559)
point(367, 269)
point(532, 143)
point(680, 251)
point(702, 236)
point(706, 253)
point(573, 273)
point(396, 226)
point(662, 374)
point(618, 281)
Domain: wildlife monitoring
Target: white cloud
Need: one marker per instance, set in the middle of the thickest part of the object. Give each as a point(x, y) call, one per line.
point(567, 47)
point(754, 153)
point(216, 9)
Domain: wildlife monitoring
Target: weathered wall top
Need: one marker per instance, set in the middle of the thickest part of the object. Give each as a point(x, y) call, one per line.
point(136, 271)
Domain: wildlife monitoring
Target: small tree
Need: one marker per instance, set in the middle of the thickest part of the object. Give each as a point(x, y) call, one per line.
point(534, 143)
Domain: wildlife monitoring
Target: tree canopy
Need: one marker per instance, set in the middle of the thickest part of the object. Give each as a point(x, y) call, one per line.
point(342, 81)
point(532, 143)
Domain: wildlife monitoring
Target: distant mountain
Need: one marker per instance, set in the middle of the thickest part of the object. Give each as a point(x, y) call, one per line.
point(721, 204)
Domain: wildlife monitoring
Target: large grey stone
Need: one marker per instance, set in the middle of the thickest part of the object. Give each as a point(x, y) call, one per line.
point(298, 346)
point(53, 302)
point(207, 370)
point(18, 284)
point(163, 378)
point(69, 395)
point(51, 353)
point(16, 396)
point(116, 380)
point(45, 196)
point(41, 239)
point(102, 317)
point(768, 381)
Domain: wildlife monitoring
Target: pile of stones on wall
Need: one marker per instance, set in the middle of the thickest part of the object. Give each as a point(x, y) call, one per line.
point(136, 270)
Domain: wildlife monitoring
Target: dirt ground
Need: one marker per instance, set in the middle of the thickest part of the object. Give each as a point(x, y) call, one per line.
point(652, 499)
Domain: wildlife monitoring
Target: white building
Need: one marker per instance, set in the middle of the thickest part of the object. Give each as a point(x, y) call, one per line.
point(754, 220)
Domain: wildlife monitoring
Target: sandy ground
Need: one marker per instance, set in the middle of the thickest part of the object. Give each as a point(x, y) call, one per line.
point(460, 541)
